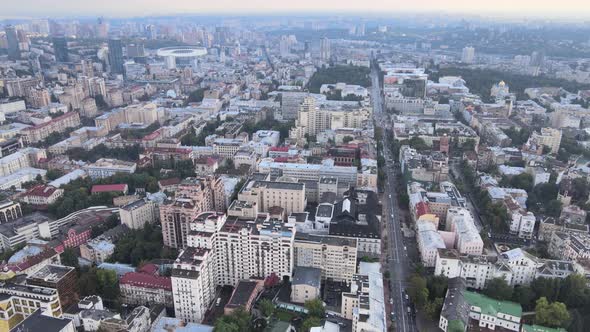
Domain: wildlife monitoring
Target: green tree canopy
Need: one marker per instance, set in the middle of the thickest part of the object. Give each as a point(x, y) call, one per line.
point(498, 289)
point(551, 314)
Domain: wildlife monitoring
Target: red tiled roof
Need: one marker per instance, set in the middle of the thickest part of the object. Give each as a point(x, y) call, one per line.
point(149, 269)
point(146, 280)
point(103, 188)
point(169, 182)
point(41, 190)
point(422, 208)
point(280, 148)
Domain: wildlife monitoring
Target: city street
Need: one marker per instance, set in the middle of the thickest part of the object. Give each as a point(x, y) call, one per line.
point(398, 263)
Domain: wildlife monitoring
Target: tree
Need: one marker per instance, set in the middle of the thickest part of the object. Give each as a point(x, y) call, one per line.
point(237, 321)
point(267, 308)
point(551, 315)
point(523, 295)
point(315, 308)
point(418, 292)
point(108, 284)
point(347, 139)
point(553, 208)
point(433, 308)
point(196, 96)
point(310, 322)
point(53, 174)
point(69, 257)
point(574, 291)
point(498, 289)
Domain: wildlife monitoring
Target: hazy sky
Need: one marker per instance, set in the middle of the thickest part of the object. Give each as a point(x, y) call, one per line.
point(548, 8)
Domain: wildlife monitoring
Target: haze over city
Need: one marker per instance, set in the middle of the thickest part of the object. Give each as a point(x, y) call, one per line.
point(304, 166)
point(524, 8)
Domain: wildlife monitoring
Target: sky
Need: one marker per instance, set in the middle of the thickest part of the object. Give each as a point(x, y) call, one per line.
point(121, 8)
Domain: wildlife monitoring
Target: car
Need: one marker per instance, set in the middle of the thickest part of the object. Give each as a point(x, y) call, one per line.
point(407, 297)
point(218, 302)
point(409, 310)
point(405, 248)
point(389, 195)
point(391, 302)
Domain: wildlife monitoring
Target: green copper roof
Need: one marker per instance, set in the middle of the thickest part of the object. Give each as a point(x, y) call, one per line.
point(539, 328)
point(491, 306)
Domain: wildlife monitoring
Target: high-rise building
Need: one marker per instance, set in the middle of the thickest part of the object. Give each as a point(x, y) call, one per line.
point(12, 40)
point(325, 49)
point(60, 49)
point(468, 55)
point(116, 56)
point(135, 50)
point(537, 59)
point(284, 46)
point(192, 197)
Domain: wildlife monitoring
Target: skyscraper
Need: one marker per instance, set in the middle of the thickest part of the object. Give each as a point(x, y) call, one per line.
point(116, 56)
point(468, 54)
point(60, 49)
point(325, 49)
point(12, 40)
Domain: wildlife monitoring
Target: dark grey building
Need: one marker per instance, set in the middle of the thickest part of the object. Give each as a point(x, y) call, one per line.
point(116, 56)
point(12, 41)
point(60, 49)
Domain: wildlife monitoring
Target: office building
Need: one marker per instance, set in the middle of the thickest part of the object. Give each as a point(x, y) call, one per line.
point(105, 167)
point(64, 279)
point(20, 301)
point(325, 49)
point(60, 49)
point(12, 41)
point(116, 57)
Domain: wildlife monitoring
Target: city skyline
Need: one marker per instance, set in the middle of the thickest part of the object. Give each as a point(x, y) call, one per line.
point(564, 9)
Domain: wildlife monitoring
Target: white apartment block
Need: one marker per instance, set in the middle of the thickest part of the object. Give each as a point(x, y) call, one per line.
point(193, 284)
point(523, 265)
point(429, 241)
point(522, 223)
point(136, 214)
point(475, 269)
point(365, 303)
point(245, 249)
point(334, 256)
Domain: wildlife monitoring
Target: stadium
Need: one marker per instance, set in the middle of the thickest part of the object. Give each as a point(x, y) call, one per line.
point(181, 56)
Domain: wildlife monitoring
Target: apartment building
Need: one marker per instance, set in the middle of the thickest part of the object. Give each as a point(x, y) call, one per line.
point(59, 124)
point(547, 137)
point(334, 256)
point(461, 305)
point(365, 303)
point(42, 195)
point(475, 269)
point(19, 301)
point(145, 287)
point(24, 158)
point(146, 113)
point(105, 167)
point(268, 194)
point(429, 241)
point(253, 248)
point(193, 283)
point(138, 213)
point(192, 197)
point(97, 250)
